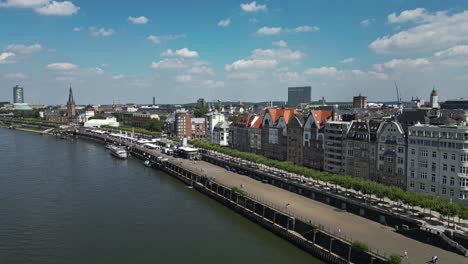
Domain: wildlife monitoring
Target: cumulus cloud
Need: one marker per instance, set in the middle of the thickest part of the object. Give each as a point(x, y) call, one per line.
point(242, 76)
point(433, 31)
point(321, 71)
point(7, 57)
point(399, 63)
point(213, 84)
point(44, 7)
point(138, 20)
point(183, 53)
point(280, 43)
point(253, 7)
point(158, 39)
point(278, 54)
point(347, 60)
point(62, 66)
point(456, 51)
point(251, 64)
point(54, 8)
point(202, 69)
point(269, 31)
point(224, 22)
point(101, 32)
point(305, 29)
point(169, 64)
point(278, 30)
point(24, 49)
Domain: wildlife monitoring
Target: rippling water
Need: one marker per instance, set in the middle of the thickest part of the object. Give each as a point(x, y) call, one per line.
point(71, 202)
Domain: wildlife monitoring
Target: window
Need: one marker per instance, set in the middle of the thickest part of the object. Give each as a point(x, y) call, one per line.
point(423, 175)
point(444, 167)
point(412, 163)
point(422, 164)
point(400, 150)
point(454, 157)
point(444, 180)
point(423, 153)
point(381, 157)
point(444, 190)
point(412, 174)
point(452, 168)
point(464, 170)
point(433, 189)
point(463, 195)
point(463, 182)
point(433, 178)
point(464, 158)
point(434, 154)
point(411, 184)
point(400, 171)
point(452, 193)
point(445, 156)
point(434, 166)
point(452, 181)
point(400, 160)
point(413, 151)
point(422, 186)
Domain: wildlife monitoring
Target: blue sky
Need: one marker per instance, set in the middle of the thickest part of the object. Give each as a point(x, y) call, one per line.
point(233, 50)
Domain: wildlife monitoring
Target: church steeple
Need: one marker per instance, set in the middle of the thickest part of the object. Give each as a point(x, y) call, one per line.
point(71, 101)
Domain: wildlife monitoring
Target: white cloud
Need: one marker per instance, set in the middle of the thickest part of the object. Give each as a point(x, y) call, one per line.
point(402, 63)
point(96, 70)
point(202, 69)
point(15, 76)
point(158, 39)
point(278, 30)
point(457, 51)
point(347, 60)
point(253, 7)
point(278, 54)
point(138, 20)
point(418, 14)
point(54, 8)
point(242, 76)
point(77, 29)
point(269, 31)
point(213, 84)
point(305, 29)
point(435, 31)
point(280, 43)
point(169, 64)
point(7, 57)
point(367, 22)
point(101, 32)
point(24, 49)
point(118, 77)
point(224, 22)
point(252, 64)
point(183, 53)
point(62, 66)
point(183, 78)
point(321, 71)
point(24, 3)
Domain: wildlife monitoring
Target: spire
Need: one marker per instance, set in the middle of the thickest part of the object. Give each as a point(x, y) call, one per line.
point(71, 101)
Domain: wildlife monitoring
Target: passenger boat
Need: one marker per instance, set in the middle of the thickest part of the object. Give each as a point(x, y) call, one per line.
point(118, 152)
point(148, 163)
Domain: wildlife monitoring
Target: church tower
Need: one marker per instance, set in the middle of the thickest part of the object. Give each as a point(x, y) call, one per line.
point(71, 107)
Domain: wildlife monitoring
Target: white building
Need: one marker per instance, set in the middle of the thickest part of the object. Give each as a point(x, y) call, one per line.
point(221, 134)
point(438, 161)
point(211, 119)
point(84, 117)
point(96, 123)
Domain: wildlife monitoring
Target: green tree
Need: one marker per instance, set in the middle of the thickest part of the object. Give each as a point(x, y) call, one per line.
point(118, 116)
point(155, 125)
point(200, 111)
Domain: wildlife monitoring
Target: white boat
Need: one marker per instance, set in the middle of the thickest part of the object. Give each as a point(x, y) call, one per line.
point(118, 152)
point(148, 163)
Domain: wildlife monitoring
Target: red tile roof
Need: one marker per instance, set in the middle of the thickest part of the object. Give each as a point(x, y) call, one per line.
point(258, 122)
point(321, 116)
point(286, 113)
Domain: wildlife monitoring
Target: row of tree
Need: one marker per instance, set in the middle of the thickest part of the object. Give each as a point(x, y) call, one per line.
point(443, 206)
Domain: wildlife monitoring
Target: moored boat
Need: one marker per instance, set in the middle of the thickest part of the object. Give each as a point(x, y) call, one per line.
point(118, 152)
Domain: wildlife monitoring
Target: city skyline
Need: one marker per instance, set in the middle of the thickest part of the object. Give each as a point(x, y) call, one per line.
point(234, 50)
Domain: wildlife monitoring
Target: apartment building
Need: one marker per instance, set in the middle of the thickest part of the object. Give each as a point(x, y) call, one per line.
point(438, 161)
point(334, 134)
point(295, 143)
point(183, 124)
point(391, 153)
point(313, 138)
point(275, 132)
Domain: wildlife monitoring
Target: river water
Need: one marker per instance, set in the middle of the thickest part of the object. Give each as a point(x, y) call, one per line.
point(70, 201)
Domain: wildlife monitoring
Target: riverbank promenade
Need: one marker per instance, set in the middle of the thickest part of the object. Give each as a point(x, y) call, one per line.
point(379, 237)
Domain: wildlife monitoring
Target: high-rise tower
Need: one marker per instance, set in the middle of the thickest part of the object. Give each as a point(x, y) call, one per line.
point(434, 99)
point(18, 95)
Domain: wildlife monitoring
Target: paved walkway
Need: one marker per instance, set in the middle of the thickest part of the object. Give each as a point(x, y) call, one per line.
point(379, 237)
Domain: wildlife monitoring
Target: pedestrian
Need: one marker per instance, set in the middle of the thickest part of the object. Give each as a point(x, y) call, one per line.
point(242, 186)
point(434, 259)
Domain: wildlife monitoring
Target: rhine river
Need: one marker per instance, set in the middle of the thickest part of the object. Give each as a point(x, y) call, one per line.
point(70, 201)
